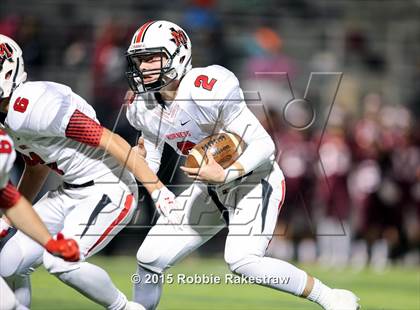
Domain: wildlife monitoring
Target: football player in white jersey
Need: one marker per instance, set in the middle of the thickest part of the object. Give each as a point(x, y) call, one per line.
point(55, 129)
point(21, 214)
point(176, 104)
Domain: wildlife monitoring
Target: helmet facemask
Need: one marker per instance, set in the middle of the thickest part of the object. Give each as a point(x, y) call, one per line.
point(136, 76)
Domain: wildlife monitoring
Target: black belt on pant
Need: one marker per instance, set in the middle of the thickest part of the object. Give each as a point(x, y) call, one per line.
point(68, 185)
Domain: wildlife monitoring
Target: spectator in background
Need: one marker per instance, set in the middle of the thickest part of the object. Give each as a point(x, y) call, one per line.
point(32, 42)
point(296, 154)
point(108, 71)
point(207, 30)
point(77, 51)
point(9, 25)
point(264, 48)
point(360, 53)
point(332, 196)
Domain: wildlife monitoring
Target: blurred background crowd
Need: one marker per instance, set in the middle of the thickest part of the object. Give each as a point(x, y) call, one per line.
point(350, 152)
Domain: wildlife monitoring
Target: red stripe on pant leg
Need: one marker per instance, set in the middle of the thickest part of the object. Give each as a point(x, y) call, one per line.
point(127, 206)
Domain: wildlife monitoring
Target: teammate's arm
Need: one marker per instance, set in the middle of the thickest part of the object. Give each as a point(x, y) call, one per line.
point(32, 180)
point(21, 214)
point(85, 130)
point(119, 148)
point(247, 126)
point(23, 217)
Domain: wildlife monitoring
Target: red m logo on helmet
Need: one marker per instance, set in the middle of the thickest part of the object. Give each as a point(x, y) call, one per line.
point(5, 51)
point(179, 37)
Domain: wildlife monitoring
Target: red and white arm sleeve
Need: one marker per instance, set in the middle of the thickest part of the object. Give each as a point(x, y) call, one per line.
point(247, 126)
point(84, 129)
point(9, 196)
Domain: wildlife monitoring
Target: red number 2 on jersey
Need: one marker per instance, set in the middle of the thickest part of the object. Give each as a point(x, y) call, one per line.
point(203, 81)
point(21, 104)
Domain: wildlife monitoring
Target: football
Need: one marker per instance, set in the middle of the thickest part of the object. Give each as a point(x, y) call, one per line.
point(225, 148)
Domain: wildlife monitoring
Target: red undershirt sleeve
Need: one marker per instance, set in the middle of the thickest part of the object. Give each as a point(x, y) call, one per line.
point(9, 196)
point(84, 129)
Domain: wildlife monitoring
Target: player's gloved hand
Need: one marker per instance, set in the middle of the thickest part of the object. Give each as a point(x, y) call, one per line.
point(166, 205)
point(67, 249)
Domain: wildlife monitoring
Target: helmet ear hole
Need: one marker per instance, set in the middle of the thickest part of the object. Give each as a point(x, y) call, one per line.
point(8, 75)
point(182, 60)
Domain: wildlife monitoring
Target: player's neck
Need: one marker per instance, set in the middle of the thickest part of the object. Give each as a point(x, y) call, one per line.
point(4, 105)
point(169, 92)
point(169, 96)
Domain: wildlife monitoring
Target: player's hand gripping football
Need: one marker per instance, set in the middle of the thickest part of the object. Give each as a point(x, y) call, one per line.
point(210, 171)
point(167, 206)
point(67, 249)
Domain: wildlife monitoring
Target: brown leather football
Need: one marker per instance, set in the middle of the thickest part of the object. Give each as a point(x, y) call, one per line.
point(225, 148)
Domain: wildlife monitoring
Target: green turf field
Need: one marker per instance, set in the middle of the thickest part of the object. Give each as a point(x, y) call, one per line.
point(396, 288)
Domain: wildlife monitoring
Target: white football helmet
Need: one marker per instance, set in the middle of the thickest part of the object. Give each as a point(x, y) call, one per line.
point(161, 38)
point(12, 70)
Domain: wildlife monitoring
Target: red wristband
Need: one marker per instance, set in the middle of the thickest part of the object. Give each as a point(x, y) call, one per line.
point(9, 196)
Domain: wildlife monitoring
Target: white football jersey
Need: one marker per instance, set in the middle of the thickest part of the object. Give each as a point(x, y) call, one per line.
point(38, 115)
point(208, 99)
point(7, 158)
